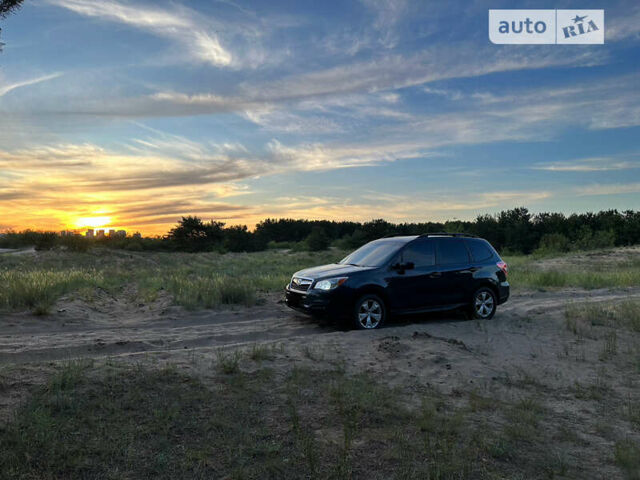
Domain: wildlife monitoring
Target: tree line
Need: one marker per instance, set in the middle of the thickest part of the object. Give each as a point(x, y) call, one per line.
point(510, 231)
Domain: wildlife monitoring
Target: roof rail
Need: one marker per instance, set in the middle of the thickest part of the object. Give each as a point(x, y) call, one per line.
point(447, 234)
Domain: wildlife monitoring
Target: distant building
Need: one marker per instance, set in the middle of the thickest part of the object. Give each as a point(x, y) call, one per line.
point(100, 233)
point(90, 233)
point(121, 233)
point(112, 233)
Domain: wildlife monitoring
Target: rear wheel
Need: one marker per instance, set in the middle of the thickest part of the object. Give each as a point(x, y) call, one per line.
point(369, 312)
point(483, 305)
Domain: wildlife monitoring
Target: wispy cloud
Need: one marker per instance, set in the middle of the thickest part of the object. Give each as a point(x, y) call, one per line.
point(178, 24)
point(624, 24)
point(597, 164)
point(8, 87)
point(608, 189)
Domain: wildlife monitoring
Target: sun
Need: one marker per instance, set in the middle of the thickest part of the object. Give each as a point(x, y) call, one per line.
point(92, 222)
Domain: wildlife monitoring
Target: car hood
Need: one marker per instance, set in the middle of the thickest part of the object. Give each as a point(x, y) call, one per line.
point(331, 270)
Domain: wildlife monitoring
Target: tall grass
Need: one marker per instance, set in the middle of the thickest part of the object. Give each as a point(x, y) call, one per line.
point(209, 280)
point(533, 272)
point(624, 314)
point(201, 280)
point(39, 289)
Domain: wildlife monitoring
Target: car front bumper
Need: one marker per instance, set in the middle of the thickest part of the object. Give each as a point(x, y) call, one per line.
point(317, 303)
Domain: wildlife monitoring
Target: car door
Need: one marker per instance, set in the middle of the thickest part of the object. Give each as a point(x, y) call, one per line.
point(453, 263)
point(413, 288)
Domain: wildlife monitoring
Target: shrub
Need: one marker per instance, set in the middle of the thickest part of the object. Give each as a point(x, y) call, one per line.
point(75, 243)
point(45, 240)
point(317, 240)
point(553, 242)
point(353, 241)
point(588, 240)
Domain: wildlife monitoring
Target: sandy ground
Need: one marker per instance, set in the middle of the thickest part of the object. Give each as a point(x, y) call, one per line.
point(525, 349)
point(530, 326)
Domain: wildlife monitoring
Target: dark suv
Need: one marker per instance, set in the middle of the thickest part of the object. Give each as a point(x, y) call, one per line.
point(404, 274)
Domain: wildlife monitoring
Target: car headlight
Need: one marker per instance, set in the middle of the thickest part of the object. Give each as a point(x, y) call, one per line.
point(330, 283)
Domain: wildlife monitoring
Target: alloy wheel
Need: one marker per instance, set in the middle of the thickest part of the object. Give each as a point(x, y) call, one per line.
point(484, 304)
point(369, 313)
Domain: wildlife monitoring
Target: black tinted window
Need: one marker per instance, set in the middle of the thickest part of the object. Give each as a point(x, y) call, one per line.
point(452, 250)
point(373, 254)
point(480, 250)
point(421, 253)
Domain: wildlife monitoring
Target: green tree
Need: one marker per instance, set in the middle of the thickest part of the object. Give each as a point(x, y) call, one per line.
point(554, 242)
point(317, 239)
point(7, 7)
point(194, 235)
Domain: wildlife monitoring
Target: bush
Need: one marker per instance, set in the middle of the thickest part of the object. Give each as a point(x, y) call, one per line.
point(588, 240)
point(317, 240)
point(353, 241)
point(273, 245)
point(554, 242)
point(75, 243)
point(45, 240)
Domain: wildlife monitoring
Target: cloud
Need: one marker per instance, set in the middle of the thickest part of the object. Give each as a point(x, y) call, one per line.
point(430, 205)
point(388, 13)
point(6, 88)
point(52, 186)
point(597, 164)
point(178, 24)
point(623, 25)
point(608, 189)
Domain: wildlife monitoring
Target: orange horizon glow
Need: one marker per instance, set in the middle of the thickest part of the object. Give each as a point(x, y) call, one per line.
point(92, 222)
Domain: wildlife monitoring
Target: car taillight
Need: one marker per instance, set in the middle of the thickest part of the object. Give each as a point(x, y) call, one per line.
point(503, 266)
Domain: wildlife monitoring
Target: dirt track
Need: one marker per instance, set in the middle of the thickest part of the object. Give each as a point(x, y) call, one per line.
point(114, 326)
point(525, 351)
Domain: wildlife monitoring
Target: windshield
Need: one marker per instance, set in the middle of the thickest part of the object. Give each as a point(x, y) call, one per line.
point(373, 254)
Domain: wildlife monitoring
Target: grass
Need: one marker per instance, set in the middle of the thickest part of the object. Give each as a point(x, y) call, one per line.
point(626, 314)
point(627, 456)
point(139, 424)
point(202, 280)
point(39, 289)
point(534, 271)
point(210, 280)
point(260, 352)
point(228, 363)
point(117, 421)
point(609, 346)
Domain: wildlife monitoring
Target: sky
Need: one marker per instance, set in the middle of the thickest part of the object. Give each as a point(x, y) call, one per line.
point(131, 114)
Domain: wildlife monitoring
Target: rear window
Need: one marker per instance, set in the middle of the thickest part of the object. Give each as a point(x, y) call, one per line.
point(480, 250)
point(452, 251)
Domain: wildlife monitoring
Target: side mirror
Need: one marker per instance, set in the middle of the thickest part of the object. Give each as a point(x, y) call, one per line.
point(401, 267)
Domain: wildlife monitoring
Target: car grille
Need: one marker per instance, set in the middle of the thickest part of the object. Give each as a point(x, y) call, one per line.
point(301, 284)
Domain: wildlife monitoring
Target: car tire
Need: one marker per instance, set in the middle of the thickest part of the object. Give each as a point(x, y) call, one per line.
point(483, 304)
point(369, 312)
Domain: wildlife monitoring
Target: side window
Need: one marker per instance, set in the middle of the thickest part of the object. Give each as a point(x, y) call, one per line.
point(452, 251)
point(479, 250)
point(421, 253)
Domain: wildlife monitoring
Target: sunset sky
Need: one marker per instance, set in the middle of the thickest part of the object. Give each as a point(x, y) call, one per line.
point(131, 114)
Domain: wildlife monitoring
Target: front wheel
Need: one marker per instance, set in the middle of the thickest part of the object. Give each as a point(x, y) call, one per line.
point(483, 306)
point(369, 312)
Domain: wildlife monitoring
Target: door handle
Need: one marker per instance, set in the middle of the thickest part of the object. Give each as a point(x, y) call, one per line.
point(435, 275)
point(468, 270)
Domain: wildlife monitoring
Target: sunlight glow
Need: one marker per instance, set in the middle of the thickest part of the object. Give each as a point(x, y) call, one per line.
point(92, 222)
